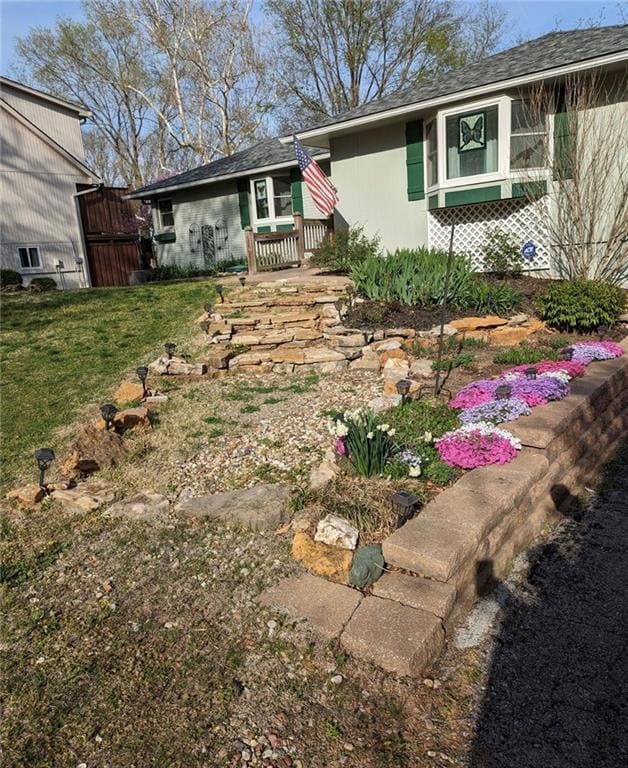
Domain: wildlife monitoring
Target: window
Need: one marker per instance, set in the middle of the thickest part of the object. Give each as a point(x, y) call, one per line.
point(262, 206)
point(432, 154)
point(527, 136)
point(166, 213)
point(29, 258)
point(273, 197)
point(472, 143)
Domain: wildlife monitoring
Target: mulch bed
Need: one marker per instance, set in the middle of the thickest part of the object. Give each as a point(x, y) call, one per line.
point(373, 315)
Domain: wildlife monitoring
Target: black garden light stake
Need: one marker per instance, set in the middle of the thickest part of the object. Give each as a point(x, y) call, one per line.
point(142, 375)
point(566, 354)
point(403, 388)
point(503, 391)
point(350, 294)
point(531, 372)
point(242, 280)
point(204, 326)
point(170, 348)
point(44, 458)
point(108, 412)
point(602, 331)
point(404, 505)
point(220, 291)
point(208, 307)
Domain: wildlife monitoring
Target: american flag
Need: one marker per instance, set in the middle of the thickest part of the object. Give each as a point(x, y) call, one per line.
point(322, 192)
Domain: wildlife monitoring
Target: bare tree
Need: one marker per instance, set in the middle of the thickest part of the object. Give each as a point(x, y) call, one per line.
point(338, 54)
point(582, 156)
point(213, 78)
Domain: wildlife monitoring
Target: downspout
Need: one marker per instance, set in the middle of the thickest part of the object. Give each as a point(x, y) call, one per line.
point(83, 243)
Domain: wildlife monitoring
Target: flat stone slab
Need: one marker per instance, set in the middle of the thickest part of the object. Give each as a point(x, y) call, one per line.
point(398, 638)
point(433, 596)
point(261, 507)
point(327, 607)
point(144, 505)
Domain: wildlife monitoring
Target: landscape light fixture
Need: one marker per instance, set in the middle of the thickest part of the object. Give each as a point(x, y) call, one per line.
point(531, 372)
point(44, 458)
point(503, 391)
point(142, 375)
point(404, 505)
point(108, 412)
point(242, 280)
point(350, 295)
point(204, 326)
point(170, 348)
point(403, 388)
point(602, 330)
point(207, 306)
point(220, 291)
point(566, 353)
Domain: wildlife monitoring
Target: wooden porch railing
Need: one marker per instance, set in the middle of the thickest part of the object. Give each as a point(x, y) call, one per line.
point(276, 250)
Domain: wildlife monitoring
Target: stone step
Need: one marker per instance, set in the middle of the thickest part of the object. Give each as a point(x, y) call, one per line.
point(432, 596)
point(396, 637)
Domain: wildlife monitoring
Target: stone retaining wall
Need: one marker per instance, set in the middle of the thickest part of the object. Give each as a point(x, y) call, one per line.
point(467, 537)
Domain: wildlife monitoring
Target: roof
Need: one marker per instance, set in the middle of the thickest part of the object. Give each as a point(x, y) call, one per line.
point(549, 52)
point(78, 108)
point(266, 155)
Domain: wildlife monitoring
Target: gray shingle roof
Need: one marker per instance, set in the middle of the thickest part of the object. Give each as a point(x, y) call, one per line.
point(268, 152)
point(555, 49)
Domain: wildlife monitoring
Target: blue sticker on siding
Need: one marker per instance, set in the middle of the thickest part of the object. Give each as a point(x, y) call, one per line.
point(528, 251)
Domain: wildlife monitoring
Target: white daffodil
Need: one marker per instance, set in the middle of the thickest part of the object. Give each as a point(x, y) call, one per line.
point(391, 432)
point(369, 435)
point(427, 437)
point(414, 471)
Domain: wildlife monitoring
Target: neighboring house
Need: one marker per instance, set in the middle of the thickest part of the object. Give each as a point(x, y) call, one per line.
point(199, 216)
point(42, 164)
point(397, 162)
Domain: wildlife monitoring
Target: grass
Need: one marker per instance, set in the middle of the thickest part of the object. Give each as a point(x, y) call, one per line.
point(63, 351)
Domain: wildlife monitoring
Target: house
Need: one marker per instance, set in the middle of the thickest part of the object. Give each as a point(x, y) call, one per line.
point(42, 168)
point(458, 147)
point(401, 165)
point(199, 216)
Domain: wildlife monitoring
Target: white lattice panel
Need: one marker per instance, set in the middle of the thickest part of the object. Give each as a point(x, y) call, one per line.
point(520, 218)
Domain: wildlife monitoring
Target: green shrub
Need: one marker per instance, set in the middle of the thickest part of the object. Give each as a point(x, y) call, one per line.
point(180, 272)
point(411, 423)
point(346, 249)
point(9, 277)
point(501, 254)
point(43, 284)
point(491, 299)
point(525, 353)
point(581, 305)
point(414, 277)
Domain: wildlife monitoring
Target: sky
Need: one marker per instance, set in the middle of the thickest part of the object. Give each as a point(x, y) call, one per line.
point(528, 18)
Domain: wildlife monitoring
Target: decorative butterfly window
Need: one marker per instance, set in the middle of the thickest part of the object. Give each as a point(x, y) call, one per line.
point(472, 132)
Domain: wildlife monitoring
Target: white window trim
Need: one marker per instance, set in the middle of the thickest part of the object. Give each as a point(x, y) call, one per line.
point(163, 226)
point(270, 191)
point(504, 127)
point(29, 270)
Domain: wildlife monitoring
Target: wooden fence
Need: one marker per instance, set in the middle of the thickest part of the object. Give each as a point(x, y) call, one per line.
point(278, 250)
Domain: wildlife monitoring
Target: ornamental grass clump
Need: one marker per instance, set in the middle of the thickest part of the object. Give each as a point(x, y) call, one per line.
point(368, 445)
point(496, 411)
point(475, 445)
point(587, 351)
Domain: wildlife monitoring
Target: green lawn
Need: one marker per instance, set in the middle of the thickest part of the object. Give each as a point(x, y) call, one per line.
point(61, 351)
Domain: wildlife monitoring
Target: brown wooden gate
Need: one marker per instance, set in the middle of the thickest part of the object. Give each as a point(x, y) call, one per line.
point(111, 239)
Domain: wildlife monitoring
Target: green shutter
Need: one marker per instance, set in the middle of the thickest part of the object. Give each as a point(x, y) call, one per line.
point(414, 160)
point(564, 126)
point(297, 191)
point(243, 202)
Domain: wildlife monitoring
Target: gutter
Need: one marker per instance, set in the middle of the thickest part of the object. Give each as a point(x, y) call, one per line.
point(388, 114)
point(150, 193)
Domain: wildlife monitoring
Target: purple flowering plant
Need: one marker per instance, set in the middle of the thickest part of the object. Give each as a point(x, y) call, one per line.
point(588, 351)
point(496, 411)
